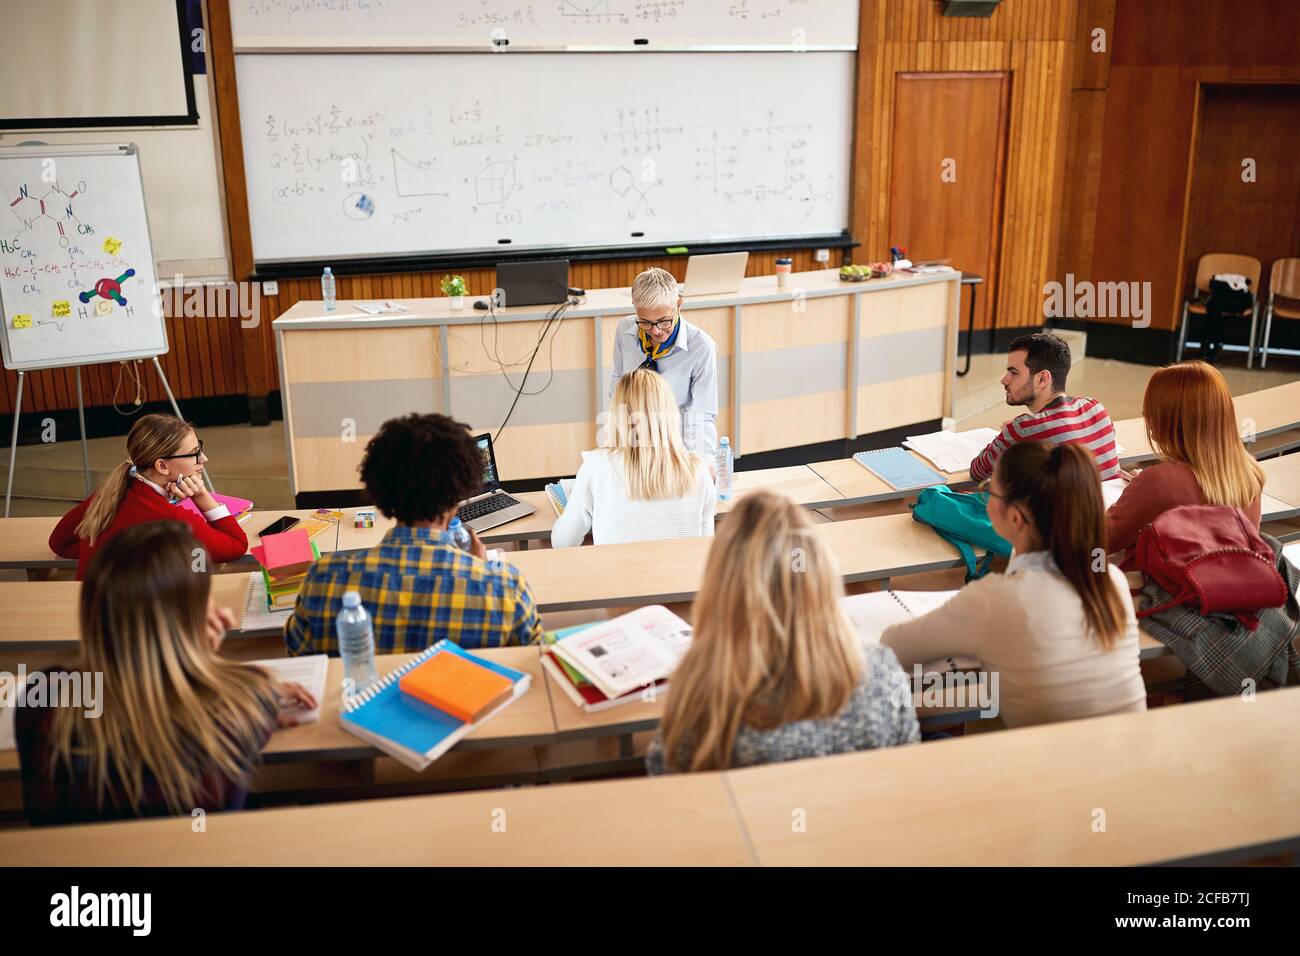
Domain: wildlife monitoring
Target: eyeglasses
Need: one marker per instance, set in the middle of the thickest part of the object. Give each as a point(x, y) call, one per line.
point(662, 325)
point(196, 454)
point(986, 487)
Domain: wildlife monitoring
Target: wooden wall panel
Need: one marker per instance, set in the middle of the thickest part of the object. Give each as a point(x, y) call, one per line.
point(1032, 40)
point(1260, 218)
point(1163, 55)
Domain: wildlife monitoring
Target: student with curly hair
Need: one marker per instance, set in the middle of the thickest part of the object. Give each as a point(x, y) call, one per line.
point(417, 586)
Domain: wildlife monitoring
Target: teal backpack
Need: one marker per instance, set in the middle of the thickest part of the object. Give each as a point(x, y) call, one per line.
point(962, 519)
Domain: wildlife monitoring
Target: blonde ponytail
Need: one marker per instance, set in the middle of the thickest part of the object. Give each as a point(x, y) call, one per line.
point(151, 437)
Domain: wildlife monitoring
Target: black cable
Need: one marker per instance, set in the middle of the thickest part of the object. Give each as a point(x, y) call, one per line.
point(554, 317)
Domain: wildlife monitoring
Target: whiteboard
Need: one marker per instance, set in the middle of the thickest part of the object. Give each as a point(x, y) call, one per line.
point(280, 24)
point(77, 283)
point(382, 154)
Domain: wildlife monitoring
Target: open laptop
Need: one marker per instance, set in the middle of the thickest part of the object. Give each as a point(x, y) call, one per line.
point(493, 506)
point(711, 275)
point(534, 282)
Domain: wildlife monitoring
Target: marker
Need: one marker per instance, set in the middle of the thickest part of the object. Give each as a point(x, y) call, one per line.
point(636, 234)
point(676, 250)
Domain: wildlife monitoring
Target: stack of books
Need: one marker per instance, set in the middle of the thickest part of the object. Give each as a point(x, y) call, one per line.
point(609, 663)
point(419, 711)
point(285, 559)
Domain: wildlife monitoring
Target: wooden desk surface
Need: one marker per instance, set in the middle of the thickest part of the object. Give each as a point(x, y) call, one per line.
point(42, 615)
point(1029, 797)
point(654, 572)
point(526, 722)
point(859, 486)
point(1282, 482)
point(681, 820)
point(798, 482)
point(1021, 797)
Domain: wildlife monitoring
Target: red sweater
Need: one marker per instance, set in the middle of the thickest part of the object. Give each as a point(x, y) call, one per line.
point(224, 539)
point(1159, 488)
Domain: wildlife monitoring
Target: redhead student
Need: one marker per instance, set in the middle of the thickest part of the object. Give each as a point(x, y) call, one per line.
point(1058, 627)
point(775, 671)
point(642, 485)
point(1192, 426)
point(166, 725)
point(163, 466)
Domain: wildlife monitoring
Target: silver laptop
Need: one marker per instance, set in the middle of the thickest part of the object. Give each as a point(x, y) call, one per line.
point(711, 275)
point(493, 507)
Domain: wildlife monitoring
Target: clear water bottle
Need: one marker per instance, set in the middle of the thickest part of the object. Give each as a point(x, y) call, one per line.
point(327, 289)
point(726, 469)
point(460, 535)
point(356, 642)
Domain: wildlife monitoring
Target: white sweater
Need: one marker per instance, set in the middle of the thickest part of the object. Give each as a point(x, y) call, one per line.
point(600, 504)
point(1028, 626)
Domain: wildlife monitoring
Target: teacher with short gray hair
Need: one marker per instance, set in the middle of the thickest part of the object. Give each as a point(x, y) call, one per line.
point(658, 338)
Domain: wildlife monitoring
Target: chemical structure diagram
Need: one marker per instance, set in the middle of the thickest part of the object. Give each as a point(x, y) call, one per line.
point(51, 210)
point(623, 182)
point(49, 213)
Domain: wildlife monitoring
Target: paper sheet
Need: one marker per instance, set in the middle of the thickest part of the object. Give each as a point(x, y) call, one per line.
point(256, 615)
point(309, 671)
point(951, 451)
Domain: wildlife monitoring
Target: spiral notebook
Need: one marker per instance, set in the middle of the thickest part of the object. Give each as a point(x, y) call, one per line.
point(871, 613)
point(558, 492)
point(409, 729)
point(899, 468)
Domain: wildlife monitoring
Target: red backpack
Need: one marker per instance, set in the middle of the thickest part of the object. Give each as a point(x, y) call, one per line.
point(1213, 556)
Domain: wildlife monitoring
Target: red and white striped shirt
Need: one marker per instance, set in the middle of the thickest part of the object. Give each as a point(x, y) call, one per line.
point(1062, 420)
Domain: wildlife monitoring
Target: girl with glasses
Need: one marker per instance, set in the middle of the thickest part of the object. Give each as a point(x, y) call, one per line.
point(163, 466)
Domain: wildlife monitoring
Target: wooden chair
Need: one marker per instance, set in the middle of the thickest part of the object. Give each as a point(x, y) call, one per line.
point(1284, 284)
point(1207, 268)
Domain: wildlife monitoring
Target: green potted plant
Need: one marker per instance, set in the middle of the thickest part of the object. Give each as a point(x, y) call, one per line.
point(454, 288)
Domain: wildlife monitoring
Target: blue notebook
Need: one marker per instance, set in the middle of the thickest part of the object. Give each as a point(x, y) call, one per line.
point(899, 468)
point(409, 729)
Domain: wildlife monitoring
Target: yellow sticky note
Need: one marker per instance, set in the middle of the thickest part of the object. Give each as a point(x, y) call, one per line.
point(62, 309)
point(23, 321)
point(103, 307)
point(111, 245)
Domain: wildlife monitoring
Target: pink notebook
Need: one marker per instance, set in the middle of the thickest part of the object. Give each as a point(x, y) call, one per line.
point(237, 506)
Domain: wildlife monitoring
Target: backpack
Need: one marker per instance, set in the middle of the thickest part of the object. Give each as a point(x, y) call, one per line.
point(963, 521)
point(1210, 555)
point(1224, 299)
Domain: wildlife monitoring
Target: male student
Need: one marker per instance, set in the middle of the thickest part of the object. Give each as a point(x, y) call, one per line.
point(1037, 366)
point(658, 338)
point(417, 587)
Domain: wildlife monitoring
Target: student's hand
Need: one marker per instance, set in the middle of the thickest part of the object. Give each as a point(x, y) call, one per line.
point(220, 619)
point(191, 486)
point(477, 548)
point(1130, 475)
point(292, 697)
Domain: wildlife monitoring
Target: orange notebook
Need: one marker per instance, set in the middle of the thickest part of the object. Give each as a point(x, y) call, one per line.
point(456, 686)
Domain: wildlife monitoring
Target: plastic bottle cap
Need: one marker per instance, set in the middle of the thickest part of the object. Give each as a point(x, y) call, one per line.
point(327, 271)
point(453, 524)
point(352, 599)
point(726, 440)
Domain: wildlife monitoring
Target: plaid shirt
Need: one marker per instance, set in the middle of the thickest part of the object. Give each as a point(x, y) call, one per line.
point(418, 589)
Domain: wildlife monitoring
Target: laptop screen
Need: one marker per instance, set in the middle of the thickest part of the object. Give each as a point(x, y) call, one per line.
point(484, 443)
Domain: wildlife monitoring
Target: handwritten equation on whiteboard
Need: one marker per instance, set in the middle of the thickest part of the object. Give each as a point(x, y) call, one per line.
point(452, 154)
point(473, 22)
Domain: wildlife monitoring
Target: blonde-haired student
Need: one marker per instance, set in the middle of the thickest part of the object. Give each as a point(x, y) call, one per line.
point(642, 484)
point(163, 466)
point(1192, 426)
point(1058, 628)
point(775, 671)
point(171, 726)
